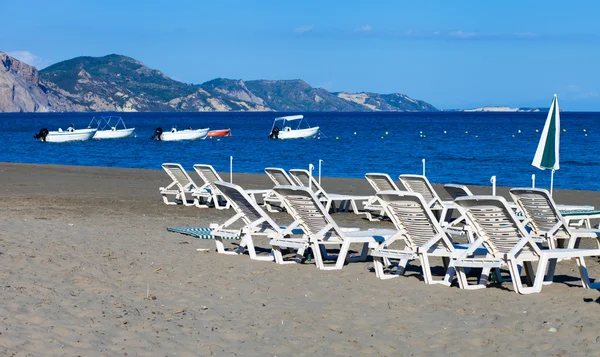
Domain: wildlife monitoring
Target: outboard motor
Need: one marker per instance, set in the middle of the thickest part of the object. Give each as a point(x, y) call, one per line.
point(42, 134)
point(274, 133)
point(157, 133)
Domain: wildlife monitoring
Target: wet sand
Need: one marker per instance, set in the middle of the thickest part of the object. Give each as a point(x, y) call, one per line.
point(88, 268)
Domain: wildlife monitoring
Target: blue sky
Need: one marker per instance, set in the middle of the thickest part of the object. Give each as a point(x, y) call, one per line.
point(453, 54)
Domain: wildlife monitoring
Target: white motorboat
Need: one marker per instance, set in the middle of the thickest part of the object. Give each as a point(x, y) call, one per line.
point(108, 131)
point(60, 136)
point(176, 135)
point(286, 128)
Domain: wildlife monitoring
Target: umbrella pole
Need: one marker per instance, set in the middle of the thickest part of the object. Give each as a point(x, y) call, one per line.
point(551, 182)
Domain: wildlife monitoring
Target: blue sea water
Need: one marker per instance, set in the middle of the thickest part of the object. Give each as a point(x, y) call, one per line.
point(458, 147)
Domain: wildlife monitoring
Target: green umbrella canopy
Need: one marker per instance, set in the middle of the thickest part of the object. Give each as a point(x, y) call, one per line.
point(547, 153)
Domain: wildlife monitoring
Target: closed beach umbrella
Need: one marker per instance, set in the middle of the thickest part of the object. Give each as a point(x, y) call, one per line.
point(547, 153)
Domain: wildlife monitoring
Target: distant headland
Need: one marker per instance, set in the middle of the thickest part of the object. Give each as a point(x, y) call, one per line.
point(123, 84)
point(503, 109)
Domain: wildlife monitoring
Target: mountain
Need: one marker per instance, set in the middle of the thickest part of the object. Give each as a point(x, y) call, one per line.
point(502, 109)
point(20, 89)
point(297, 95)
point(387, 102)
point(120, 83)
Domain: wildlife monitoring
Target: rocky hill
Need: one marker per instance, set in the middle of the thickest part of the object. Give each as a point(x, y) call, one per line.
point(119, 83)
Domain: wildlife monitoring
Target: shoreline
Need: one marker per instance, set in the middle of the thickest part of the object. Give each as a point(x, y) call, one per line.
point(357, 186)
point(88, 268)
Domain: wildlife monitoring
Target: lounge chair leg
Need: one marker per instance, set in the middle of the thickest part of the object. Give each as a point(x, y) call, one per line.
point(450, 274)
point(583, 272)
point(341, 260)
point(221, 247)
point(549, 277)
point(316, 248)
point(278, 257)
point(379, 272)
point(427, 275)
point(252, 250)
point(461, 277)
point(166, 200)
point(402, 266)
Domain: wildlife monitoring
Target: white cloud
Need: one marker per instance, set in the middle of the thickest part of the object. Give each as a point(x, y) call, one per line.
point(303, 29)
point(463, 34)
point(365, 28)
point(29, 58)
point(578, 92)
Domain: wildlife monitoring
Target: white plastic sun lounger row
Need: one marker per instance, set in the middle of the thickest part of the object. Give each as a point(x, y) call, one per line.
point(546, 221)
point(321, 230)
point(184, 190)
point(419, 236)
point(419, 184)
point(312, 227)
point(502, 242)
point(510, 245)
point(333, 202)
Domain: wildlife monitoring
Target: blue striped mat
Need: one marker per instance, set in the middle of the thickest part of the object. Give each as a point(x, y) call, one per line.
point(578, 212)
point(196, 232)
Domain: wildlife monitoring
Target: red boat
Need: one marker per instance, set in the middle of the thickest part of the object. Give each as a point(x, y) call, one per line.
point(221, 132)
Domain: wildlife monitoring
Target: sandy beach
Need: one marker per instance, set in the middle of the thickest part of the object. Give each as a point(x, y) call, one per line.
point(89, 269)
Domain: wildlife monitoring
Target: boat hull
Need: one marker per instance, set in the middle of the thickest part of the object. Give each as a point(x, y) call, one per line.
point(221, 132)
point(298, 133)
point(64, 136)
point(114, 134)
point(198, 134)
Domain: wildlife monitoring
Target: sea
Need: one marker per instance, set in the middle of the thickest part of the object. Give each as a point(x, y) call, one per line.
point(452, 147)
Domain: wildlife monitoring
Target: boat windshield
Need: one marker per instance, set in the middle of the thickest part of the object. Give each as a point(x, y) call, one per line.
point(104, 122)
point(290, 122)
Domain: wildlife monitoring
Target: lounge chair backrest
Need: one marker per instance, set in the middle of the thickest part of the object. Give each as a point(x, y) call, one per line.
point(540, 210)
point(411, 215)
point(303, 178)
point(305, 208)
point(208, 174)
point(242, 203)
point(381, 182)
point(279, 176)
point(493, 221)
point(456, 191)
point(420, 184)
point(179, 176)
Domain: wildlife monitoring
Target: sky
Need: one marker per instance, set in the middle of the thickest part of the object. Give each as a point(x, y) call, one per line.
point(452, 54)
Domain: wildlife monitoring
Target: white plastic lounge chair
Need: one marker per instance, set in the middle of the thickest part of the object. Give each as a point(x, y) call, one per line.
point(420, 184)
point(509, 244)
point(322, 231)
point(279, 178)
point(183, 187)
point(255, 222)
point(209, 175)
point(455, 191)
point(374, 209)
point(303, 178)
point(421, 234)
point(546, 221)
